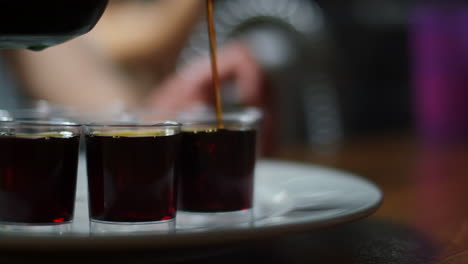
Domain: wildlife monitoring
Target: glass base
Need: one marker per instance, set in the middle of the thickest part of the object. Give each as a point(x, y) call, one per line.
point(97, 227)
point(200, 220)
point(34, 229)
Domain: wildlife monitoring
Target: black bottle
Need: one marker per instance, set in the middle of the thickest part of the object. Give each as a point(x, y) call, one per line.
point(38, 24)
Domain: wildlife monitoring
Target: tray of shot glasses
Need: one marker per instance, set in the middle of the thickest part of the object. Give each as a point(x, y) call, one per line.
point(160, 185)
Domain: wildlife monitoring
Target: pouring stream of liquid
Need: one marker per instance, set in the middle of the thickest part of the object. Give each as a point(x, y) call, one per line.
point(214, 64)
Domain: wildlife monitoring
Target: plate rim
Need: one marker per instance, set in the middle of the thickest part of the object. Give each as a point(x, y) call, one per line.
point(187, 239)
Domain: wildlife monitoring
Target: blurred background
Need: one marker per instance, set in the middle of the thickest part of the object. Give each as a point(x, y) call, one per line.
point(336, 70)
point(356, 85)
point(332, 70)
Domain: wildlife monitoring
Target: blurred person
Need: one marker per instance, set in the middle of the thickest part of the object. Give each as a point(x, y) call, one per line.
point(128, 61)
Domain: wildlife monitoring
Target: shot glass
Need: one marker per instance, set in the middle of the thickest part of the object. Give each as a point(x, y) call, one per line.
point(38, 170)
point(131, 181)
point(216, 170)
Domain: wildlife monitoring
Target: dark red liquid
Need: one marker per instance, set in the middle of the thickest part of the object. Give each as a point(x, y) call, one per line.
point(37, 179)
point(215, 171)
point(131, 179)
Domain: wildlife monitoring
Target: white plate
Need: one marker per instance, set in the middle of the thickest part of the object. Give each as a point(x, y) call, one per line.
point(290, 197)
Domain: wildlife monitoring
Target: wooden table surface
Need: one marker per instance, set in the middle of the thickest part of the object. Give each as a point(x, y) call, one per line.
point(424, 216)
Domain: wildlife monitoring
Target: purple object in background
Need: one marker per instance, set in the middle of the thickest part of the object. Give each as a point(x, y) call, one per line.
point(440, 69)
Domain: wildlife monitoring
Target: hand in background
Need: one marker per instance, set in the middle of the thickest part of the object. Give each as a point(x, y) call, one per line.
point(192, 85)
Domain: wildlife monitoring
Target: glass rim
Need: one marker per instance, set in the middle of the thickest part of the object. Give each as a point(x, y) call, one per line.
point(244, 115)
point(5, 119)
point(38, 123)
point(5, 115)
point(129, 124)
point(214, 123)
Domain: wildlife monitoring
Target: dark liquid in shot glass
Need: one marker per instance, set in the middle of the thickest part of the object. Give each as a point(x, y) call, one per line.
point(37, 179)
point(131, 179)
point(216, 170)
